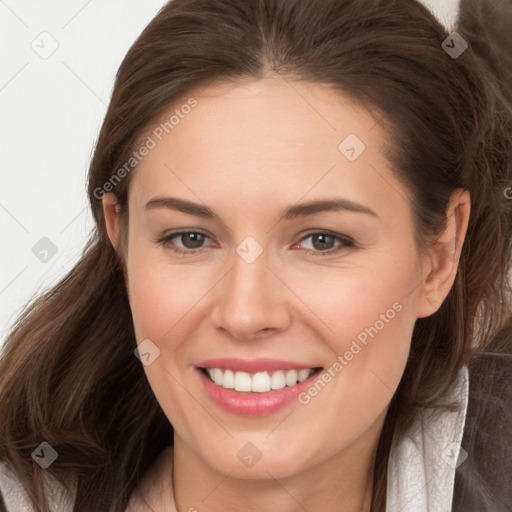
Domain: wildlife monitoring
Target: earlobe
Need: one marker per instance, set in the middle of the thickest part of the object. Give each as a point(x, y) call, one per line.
point(440, 267)
point(111, 211)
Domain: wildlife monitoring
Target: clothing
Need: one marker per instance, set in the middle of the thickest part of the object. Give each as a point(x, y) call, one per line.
point(451, 462)
point(421, 468)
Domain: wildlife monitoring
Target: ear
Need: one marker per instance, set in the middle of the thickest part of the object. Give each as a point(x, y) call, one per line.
point(440, 265)
point(111, 211)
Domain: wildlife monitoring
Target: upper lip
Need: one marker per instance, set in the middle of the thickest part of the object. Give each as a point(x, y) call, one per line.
point(253, 365)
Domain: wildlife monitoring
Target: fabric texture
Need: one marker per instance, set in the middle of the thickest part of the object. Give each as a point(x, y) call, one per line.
point(483, 483)
point(421, 467)
point(16, 499)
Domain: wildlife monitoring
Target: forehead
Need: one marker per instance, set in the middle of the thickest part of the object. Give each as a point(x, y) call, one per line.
point(273, 114)
point(271, 141)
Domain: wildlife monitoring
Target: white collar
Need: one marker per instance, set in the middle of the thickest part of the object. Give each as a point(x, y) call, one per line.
point(421, 467)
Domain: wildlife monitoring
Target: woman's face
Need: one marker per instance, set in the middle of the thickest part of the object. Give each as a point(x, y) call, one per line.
point(272, 282)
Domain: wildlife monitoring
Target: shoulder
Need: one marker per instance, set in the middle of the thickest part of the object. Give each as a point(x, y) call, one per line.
point(14, 498)
point(482, 481)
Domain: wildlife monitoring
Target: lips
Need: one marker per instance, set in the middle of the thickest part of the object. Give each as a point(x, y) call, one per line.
point(254, 387)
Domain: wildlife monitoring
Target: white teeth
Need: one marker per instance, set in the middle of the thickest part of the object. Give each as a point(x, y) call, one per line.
point(303, 374)
point(278, 380)
point(291, 377)
point(217, 376)
point(242, 381)
point(259, 382)
point(229, 379)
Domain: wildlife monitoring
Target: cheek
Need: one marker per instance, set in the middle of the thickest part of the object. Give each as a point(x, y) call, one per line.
point(363, 302)
point(165, 302)
point(162, 296)
point(366, 317)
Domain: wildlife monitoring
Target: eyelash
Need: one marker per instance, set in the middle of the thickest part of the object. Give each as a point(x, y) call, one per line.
point(346, 242)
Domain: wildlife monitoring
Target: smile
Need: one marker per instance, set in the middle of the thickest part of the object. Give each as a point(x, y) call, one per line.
point(259, 382)
point(254, 387)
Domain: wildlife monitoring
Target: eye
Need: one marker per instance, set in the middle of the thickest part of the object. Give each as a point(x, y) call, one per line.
point(322, 242)
point(192, 241)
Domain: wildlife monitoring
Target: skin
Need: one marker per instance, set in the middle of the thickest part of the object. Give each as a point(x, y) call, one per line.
point(248, 150)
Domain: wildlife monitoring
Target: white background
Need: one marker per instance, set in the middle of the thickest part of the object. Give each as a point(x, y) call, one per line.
point(51, 111)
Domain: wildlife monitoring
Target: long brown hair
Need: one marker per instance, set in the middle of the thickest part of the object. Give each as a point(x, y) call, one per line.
point(68, 374)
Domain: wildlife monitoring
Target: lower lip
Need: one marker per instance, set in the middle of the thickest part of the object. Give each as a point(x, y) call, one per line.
point(253, 403)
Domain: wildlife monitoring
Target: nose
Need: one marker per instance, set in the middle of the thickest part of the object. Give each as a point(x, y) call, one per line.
point(251, 301)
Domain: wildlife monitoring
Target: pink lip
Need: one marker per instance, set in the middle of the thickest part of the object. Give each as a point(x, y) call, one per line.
point(253, 403)
point(253, 365)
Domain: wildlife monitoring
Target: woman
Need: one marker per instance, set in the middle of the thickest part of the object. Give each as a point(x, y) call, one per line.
point(304, 236)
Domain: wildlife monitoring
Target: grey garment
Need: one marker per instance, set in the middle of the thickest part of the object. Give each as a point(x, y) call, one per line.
point(483, 482)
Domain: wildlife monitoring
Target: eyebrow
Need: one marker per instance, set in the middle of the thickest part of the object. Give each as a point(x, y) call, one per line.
point(289, 213)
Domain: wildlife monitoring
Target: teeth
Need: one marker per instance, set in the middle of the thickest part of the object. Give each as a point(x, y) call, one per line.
point(304, 374)
point(259, 382)
point(228, 380)
point(242, 381)
point(291, 377)
point(278, 380)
